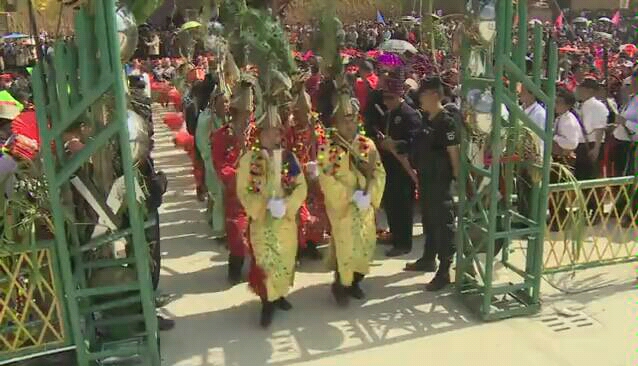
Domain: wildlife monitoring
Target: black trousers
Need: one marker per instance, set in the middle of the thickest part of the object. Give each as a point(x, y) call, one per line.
point(438, 216)
point(397, 203)
point(585, 169)
point(524, 192)
point(624, 159)
point(152, 235)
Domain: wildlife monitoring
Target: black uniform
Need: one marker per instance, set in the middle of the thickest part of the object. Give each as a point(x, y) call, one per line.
point(401, 124)
point(435, 179)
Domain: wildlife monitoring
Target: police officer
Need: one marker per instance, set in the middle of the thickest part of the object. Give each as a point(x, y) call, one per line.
point(437, 159)
point(393, 133)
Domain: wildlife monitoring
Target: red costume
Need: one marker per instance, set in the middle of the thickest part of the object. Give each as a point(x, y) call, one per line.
point(312, 85)
point(313, 221)
point(227, 149)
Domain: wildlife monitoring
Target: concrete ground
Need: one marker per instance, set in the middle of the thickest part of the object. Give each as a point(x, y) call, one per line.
point(591, 321)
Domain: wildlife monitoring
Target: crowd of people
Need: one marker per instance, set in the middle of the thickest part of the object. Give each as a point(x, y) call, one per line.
point(338, 152)
point(409, 109)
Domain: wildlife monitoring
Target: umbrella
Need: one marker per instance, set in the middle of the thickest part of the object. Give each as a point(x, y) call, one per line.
point(15, 36)
point(397, 46)
point(190, 25)
point(604, 20)
point(580, 20)
point(408, 19)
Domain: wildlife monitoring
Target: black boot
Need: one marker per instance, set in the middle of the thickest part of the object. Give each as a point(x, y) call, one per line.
point(340, 292)
point(441, 278)
point(355, 290)
point(267, 312)
point(438, 283)
point(235, 265)
point(283, 304)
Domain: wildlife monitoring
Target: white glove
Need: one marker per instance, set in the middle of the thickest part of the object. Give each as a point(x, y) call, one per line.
point(312, 169)
point(362, 200)
point(277, 208)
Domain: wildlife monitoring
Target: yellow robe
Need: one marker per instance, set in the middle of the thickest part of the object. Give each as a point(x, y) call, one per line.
point(354, 233)
point(274, 241)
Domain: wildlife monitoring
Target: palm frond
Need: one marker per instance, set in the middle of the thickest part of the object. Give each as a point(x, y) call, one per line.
point(575, 223)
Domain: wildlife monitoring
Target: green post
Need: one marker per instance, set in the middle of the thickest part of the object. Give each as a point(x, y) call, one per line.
point(81, 75)
point(487, 218)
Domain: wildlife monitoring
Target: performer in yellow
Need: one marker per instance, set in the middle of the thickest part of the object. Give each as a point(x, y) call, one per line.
point(271, 187)
point(352, 178)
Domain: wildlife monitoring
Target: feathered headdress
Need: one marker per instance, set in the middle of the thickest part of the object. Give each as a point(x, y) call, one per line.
point(301, 99)
point(260, 37)
point(332, 63)
point(243, 96)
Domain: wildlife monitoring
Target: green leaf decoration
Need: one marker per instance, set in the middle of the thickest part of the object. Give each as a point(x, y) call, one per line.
point(143, 9)
point(258, 35)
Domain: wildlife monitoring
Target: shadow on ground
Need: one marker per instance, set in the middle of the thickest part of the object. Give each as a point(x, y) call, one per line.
point(316, 327)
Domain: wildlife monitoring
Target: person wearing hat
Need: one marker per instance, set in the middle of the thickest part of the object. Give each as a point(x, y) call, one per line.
point(228, 145)
point(271, 187)
point(437, 158)
point(593, 122)
point(394, 133)
point(303, 137)
point(353, 181)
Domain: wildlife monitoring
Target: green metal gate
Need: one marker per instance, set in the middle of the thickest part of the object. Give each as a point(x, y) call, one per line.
point(606, 237)
point(488, 220)
point(83, 76)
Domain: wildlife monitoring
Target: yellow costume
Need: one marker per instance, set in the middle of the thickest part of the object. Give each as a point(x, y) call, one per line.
point(353, 230)
point(273, 241)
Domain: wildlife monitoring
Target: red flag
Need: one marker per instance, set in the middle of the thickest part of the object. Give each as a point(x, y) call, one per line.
point(616, 18)
point(559, 21)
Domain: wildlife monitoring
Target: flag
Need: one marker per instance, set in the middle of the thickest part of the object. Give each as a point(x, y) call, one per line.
point(559, 21)
point(380, 18)
point(615, 20)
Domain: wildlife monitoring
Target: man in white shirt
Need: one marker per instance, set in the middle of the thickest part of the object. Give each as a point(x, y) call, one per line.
point(533, 109)
point(594, 115)
point(537, 114)
point(567, 133)
point(626, 135)
point(154, 46)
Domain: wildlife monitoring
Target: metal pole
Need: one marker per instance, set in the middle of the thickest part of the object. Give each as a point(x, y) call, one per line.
point(429, 25)
point(421, 38)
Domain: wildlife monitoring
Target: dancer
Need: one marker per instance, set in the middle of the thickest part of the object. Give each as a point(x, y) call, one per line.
point(353, 180)
point(303, 137)
point(229, 143)
point(271, 187)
